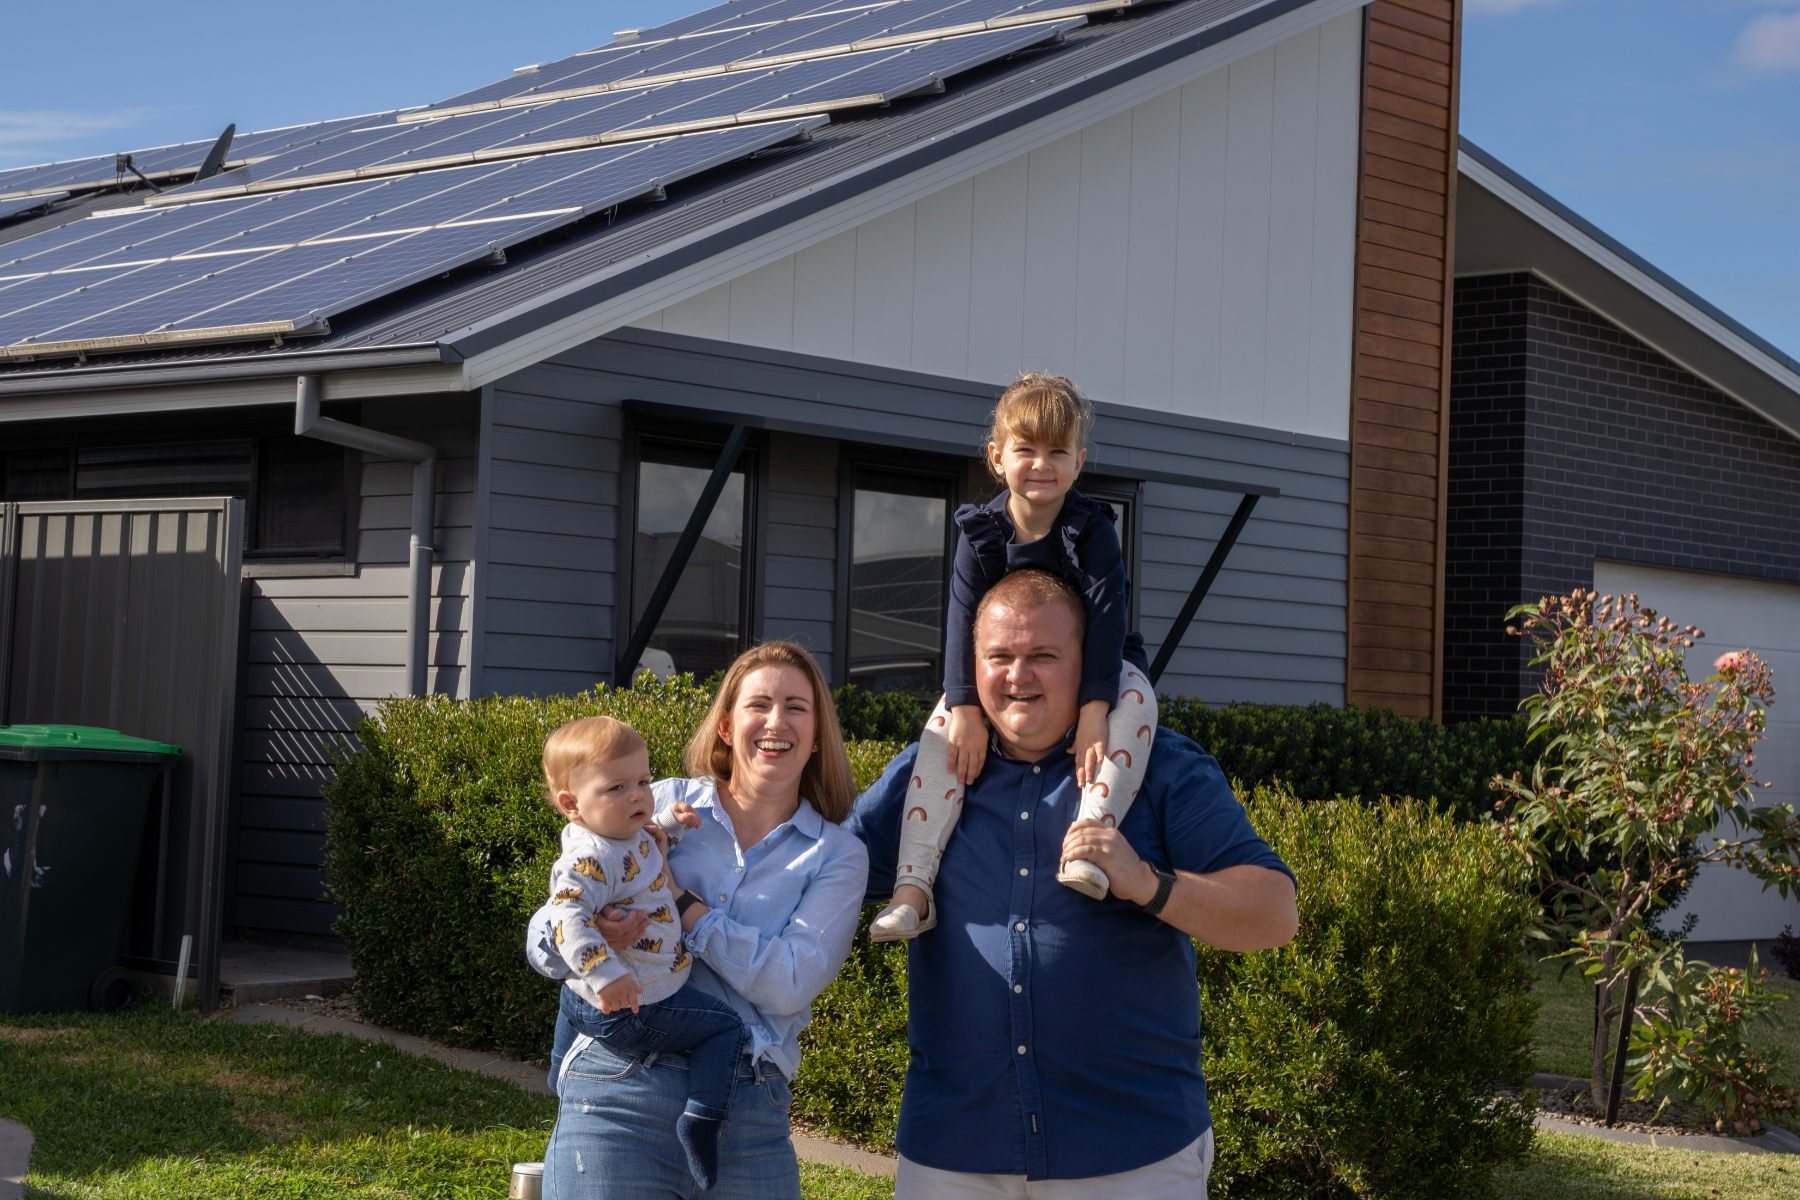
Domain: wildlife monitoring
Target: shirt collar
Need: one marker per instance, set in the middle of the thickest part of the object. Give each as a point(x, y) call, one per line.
point(806, 818)
point(1061, 748)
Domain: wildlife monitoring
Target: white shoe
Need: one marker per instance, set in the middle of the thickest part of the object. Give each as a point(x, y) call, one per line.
point(899, 922)
point(1085, 878)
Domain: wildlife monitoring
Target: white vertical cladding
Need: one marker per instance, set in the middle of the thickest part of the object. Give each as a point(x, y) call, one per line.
point(1193, 254)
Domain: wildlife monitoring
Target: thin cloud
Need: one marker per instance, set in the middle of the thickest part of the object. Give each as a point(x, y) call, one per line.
point(1503, 7)
point(1769, 44)
point(22, 132)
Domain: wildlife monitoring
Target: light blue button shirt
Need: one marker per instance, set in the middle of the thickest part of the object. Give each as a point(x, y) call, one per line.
point(782, 914)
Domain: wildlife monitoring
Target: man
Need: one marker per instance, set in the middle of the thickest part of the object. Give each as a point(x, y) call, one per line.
point(1056, 1039)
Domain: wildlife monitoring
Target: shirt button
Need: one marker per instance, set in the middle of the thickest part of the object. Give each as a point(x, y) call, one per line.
point(1020, 927)
point(1021, 1049)
point(1018, 987)
point(721, 898)
point(1023, 871)
point(1024, 816)
point(740, 870)
point(1034, 771)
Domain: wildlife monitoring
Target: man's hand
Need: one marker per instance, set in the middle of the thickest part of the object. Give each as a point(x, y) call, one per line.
point(621, 927)
point(620, 994)
point(1090, 741)
point(1237, 908)
point(968, 737)
point(1130, 876)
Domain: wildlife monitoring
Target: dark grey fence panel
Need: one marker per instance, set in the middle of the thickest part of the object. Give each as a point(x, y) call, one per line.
point(124, 614)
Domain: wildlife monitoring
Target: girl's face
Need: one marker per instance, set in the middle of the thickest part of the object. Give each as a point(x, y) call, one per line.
point(772, 730)
point(1039, 472)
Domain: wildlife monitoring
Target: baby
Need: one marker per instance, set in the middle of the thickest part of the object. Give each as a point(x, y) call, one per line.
point(1037, 448)
point(634, 1001)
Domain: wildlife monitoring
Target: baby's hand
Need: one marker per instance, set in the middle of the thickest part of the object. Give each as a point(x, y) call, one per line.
point(684, 812)
point(968, 742)
point(1090, 741)
point(620, 993)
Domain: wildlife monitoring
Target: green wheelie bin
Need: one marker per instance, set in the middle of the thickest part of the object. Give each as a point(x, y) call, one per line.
point(74, 801)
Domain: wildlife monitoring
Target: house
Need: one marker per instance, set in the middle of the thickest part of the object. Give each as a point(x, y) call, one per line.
point(768, 357)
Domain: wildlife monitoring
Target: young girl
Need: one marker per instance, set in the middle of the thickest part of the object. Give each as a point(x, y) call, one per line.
point(1037, 448)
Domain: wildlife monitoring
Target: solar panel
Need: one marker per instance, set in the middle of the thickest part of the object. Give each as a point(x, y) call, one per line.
point(24, 204)
point(166, 162)
point(813, 86)
point(747, 44)
point(271, 266)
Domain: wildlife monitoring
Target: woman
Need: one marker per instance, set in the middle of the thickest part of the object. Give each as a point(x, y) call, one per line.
point(781, 885)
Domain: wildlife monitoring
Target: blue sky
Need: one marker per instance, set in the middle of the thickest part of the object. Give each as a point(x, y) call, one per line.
point(1672, 124)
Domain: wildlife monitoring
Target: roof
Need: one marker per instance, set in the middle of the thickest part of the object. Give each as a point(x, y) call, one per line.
point(579, 266)
point(1506, 223)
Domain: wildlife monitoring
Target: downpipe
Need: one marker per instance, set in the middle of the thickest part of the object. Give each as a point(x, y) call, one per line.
point(308, 423)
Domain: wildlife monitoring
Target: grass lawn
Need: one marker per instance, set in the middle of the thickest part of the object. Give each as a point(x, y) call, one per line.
point(148, 1104)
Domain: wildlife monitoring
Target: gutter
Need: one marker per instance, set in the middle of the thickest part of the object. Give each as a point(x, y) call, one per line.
point(308, 423)
point(136, 375)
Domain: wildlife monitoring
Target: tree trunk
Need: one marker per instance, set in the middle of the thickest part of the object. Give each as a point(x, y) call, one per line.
point(1602, 1030)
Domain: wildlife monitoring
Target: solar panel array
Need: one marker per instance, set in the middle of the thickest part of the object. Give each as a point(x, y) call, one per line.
point(271, 266)
point(747, 36)
point(828, 85)
point(24, 204)
point(314, 220)
point(166, 162)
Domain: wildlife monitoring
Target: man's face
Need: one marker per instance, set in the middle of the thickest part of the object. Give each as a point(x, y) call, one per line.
point(1028, 673)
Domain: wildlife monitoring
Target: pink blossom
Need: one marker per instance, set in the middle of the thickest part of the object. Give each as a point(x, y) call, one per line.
point(1730, 662)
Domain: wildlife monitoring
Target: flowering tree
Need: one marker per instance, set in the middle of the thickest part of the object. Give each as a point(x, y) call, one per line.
point(1644, 763)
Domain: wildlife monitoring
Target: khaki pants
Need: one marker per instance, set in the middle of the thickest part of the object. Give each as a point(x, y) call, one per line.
point(1181, 1176)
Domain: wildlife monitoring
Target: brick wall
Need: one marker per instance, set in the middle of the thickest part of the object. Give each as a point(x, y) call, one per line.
point(1571, 440)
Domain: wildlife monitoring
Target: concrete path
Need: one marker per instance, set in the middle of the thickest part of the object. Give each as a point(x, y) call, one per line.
point(15, 1158)
point(1771, 1140)
point(520, 1074)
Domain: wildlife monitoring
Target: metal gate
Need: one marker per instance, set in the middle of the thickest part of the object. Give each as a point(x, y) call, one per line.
point(124, 614)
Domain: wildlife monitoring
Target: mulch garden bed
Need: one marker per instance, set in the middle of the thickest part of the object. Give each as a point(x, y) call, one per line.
point(1677, 1118)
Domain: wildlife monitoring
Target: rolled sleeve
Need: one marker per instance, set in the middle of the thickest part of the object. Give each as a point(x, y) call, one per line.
point(876, 823)
point(782, 975)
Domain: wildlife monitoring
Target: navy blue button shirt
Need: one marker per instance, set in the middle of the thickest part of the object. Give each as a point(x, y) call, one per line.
point(1054, 1036)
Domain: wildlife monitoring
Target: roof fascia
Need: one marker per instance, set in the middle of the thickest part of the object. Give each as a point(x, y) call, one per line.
point(1580, 259)
point(310, 362)
point(270, 388)
point(578, 312)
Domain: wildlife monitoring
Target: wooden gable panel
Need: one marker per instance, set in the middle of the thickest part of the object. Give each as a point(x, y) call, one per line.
point(1400, 403)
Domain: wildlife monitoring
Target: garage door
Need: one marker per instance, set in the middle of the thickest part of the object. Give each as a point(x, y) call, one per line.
point(1735, 614)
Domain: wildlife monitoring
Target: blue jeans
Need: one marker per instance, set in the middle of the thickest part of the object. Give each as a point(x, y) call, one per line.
point(690, 1022)
point(615, 1132)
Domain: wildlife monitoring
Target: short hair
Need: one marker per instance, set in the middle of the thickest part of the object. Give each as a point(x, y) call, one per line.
point(1029, 589)
point(1042, 408)
point(826, 779)
point(588, 740)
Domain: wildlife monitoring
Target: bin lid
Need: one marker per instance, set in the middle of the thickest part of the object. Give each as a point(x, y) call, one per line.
point(78, 741)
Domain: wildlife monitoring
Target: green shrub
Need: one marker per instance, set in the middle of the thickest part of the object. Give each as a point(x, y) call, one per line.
point(1318, 752)
point(439, 845)
point(854, 1054)
point(1359, 1060)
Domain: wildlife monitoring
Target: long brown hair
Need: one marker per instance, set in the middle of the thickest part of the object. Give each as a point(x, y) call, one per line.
point(826, 778)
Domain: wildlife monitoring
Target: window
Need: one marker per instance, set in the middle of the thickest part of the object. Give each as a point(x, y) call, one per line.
point(899, 575)
point(706, 622)
point(296, 489)
point(1124, 497)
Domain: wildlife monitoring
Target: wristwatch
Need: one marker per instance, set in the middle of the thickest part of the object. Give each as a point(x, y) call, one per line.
point(1165, 883)
point(684, 902)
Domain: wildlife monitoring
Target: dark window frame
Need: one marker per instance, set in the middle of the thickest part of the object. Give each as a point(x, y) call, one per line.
point(1127, 492)
point(853, 458)
point(754, 461)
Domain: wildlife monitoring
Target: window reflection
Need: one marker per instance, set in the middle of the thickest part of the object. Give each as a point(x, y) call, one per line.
point(897, 576)
point(701, 630)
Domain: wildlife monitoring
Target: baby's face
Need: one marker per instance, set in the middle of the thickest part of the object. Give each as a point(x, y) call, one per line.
point(612, 798)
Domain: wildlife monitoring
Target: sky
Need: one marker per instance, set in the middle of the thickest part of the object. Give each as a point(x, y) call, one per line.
point(1674, 125)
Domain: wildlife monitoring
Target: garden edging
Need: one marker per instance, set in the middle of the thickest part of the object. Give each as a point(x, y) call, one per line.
point(1772, 1140)
point(523, 1075)
point(15, 1158)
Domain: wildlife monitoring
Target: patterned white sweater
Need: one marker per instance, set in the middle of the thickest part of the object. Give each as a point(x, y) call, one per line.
point(594, 872)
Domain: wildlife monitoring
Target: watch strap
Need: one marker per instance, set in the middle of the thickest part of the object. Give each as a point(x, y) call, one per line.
point(1165, 883)
point(684, 902)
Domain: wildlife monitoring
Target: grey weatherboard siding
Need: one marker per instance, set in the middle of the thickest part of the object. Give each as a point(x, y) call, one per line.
point(553, 472)
point(1571, 440)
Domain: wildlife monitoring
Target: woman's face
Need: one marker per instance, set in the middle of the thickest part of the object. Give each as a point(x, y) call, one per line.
point(772, 730)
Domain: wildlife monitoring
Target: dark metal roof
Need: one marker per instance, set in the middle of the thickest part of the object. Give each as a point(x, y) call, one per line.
point(594, 261)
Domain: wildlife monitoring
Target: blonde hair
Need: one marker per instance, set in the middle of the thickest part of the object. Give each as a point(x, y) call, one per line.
point(589, 740)
point(826, 778)
point(1041, 408)
point(1029, 589)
